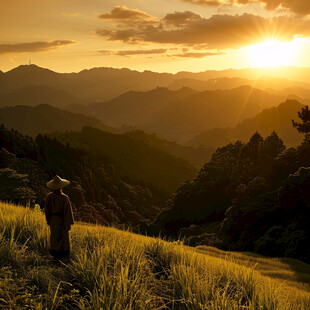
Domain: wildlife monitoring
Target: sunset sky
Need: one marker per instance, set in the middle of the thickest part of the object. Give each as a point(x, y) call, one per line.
point(157, 35)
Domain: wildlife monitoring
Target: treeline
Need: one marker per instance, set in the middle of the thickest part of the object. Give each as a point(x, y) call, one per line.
point(100, 191)
point(259, 191)
point(134, 154)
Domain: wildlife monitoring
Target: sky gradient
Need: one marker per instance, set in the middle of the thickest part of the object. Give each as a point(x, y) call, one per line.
point(161, 35)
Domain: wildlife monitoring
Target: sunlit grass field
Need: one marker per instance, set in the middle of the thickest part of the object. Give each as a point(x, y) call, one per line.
point(113, 269)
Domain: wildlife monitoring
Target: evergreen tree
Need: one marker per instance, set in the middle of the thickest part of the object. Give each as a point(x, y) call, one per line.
point(14, 187)
point(304, 115)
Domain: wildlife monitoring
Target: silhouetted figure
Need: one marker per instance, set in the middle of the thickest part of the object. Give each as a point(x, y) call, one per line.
point(59, 217)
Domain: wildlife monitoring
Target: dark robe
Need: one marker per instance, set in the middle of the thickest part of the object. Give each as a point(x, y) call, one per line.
point(59, 217)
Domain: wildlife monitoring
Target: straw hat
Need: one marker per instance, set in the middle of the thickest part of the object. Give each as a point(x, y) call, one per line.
point(57, 183)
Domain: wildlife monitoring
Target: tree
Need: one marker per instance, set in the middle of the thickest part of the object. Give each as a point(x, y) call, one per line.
point(14, 187)
point(304, 115)
point(272, 147)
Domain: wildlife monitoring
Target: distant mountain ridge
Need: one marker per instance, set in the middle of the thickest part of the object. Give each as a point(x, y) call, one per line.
point(45, 118)
point(102, 84)
point(210, 109)
point(134, 156)
point(278, 119)
point(35, 95)
point(181, 114)
point(133, 108)
point(269, 84)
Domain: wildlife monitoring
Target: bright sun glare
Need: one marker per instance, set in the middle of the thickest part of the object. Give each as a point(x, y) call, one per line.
point(275, 53)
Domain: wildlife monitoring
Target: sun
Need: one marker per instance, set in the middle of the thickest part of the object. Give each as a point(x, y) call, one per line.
point(274, 53)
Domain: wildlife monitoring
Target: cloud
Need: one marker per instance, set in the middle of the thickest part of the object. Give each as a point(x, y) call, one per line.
point(217, 32)
point(135, 52)
point(208, 2)
point(33, 46)
point(124, 13)
point(181, 18)
point(198, 55)
point(300, 7)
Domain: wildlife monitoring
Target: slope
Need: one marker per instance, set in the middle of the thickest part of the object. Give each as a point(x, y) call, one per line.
point(100, 190)
point(194, 154)
point(45, 118)
point(135, 156)
point(270, 84)
point(181, 114)
point(210, 109)
point(35, 95)
point(278, 119)
point(133, 108)
point(113, 269)
point(102, 84)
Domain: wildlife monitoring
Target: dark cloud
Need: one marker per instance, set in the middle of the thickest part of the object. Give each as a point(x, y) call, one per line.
point(218, 32)
point(301, 7)
point(135, 52)
point(207, 2)
point(181, 18)
point(32, 46)
point(197, 55)
point(124, 13)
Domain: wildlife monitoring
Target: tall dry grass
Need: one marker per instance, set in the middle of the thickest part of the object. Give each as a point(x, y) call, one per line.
point(113, 269)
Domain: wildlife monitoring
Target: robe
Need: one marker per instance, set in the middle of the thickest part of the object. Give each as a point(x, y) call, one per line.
point(59, 216)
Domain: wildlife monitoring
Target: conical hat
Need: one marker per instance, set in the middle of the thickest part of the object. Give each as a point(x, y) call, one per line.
point(57, 183)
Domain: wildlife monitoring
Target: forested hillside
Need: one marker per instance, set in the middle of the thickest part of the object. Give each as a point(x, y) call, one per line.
point(180, 115)
point(133, 108)
point(101, 191)
point(135, 156)
point(36, 95)
point(45, 118)
point(258, 190)
point(276, 119)
point(190, 116)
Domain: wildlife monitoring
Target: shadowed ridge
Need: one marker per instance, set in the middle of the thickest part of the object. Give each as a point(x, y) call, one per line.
point(46, 118)
point(33, 95)
point(273, 119)
point(29, 69)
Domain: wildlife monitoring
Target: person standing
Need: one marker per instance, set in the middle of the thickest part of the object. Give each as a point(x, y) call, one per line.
point(59, 217)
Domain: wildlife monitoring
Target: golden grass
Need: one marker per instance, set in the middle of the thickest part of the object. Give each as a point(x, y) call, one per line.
point(113, 269)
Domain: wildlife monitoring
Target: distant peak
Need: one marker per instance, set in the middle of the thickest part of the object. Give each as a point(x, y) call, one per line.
point(29, 68)
point(291, 103)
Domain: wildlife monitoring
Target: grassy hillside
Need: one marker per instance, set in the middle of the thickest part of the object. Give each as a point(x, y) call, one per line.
point(113, 269)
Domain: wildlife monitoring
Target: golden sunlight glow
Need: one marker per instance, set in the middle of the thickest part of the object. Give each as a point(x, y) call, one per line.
point(274, 53)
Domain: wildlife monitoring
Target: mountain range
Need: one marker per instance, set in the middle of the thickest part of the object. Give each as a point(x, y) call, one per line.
point(102, 84)
point(181, 114)
point(119, 100)
point(278, 119)
point(45, 118)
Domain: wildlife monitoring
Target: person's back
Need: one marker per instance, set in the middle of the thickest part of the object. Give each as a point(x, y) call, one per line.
point(59, 217)
point(58, 204)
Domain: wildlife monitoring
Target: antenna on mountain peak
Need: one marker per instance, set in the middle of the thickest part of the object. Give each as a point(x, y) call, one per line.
point(29, 62)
